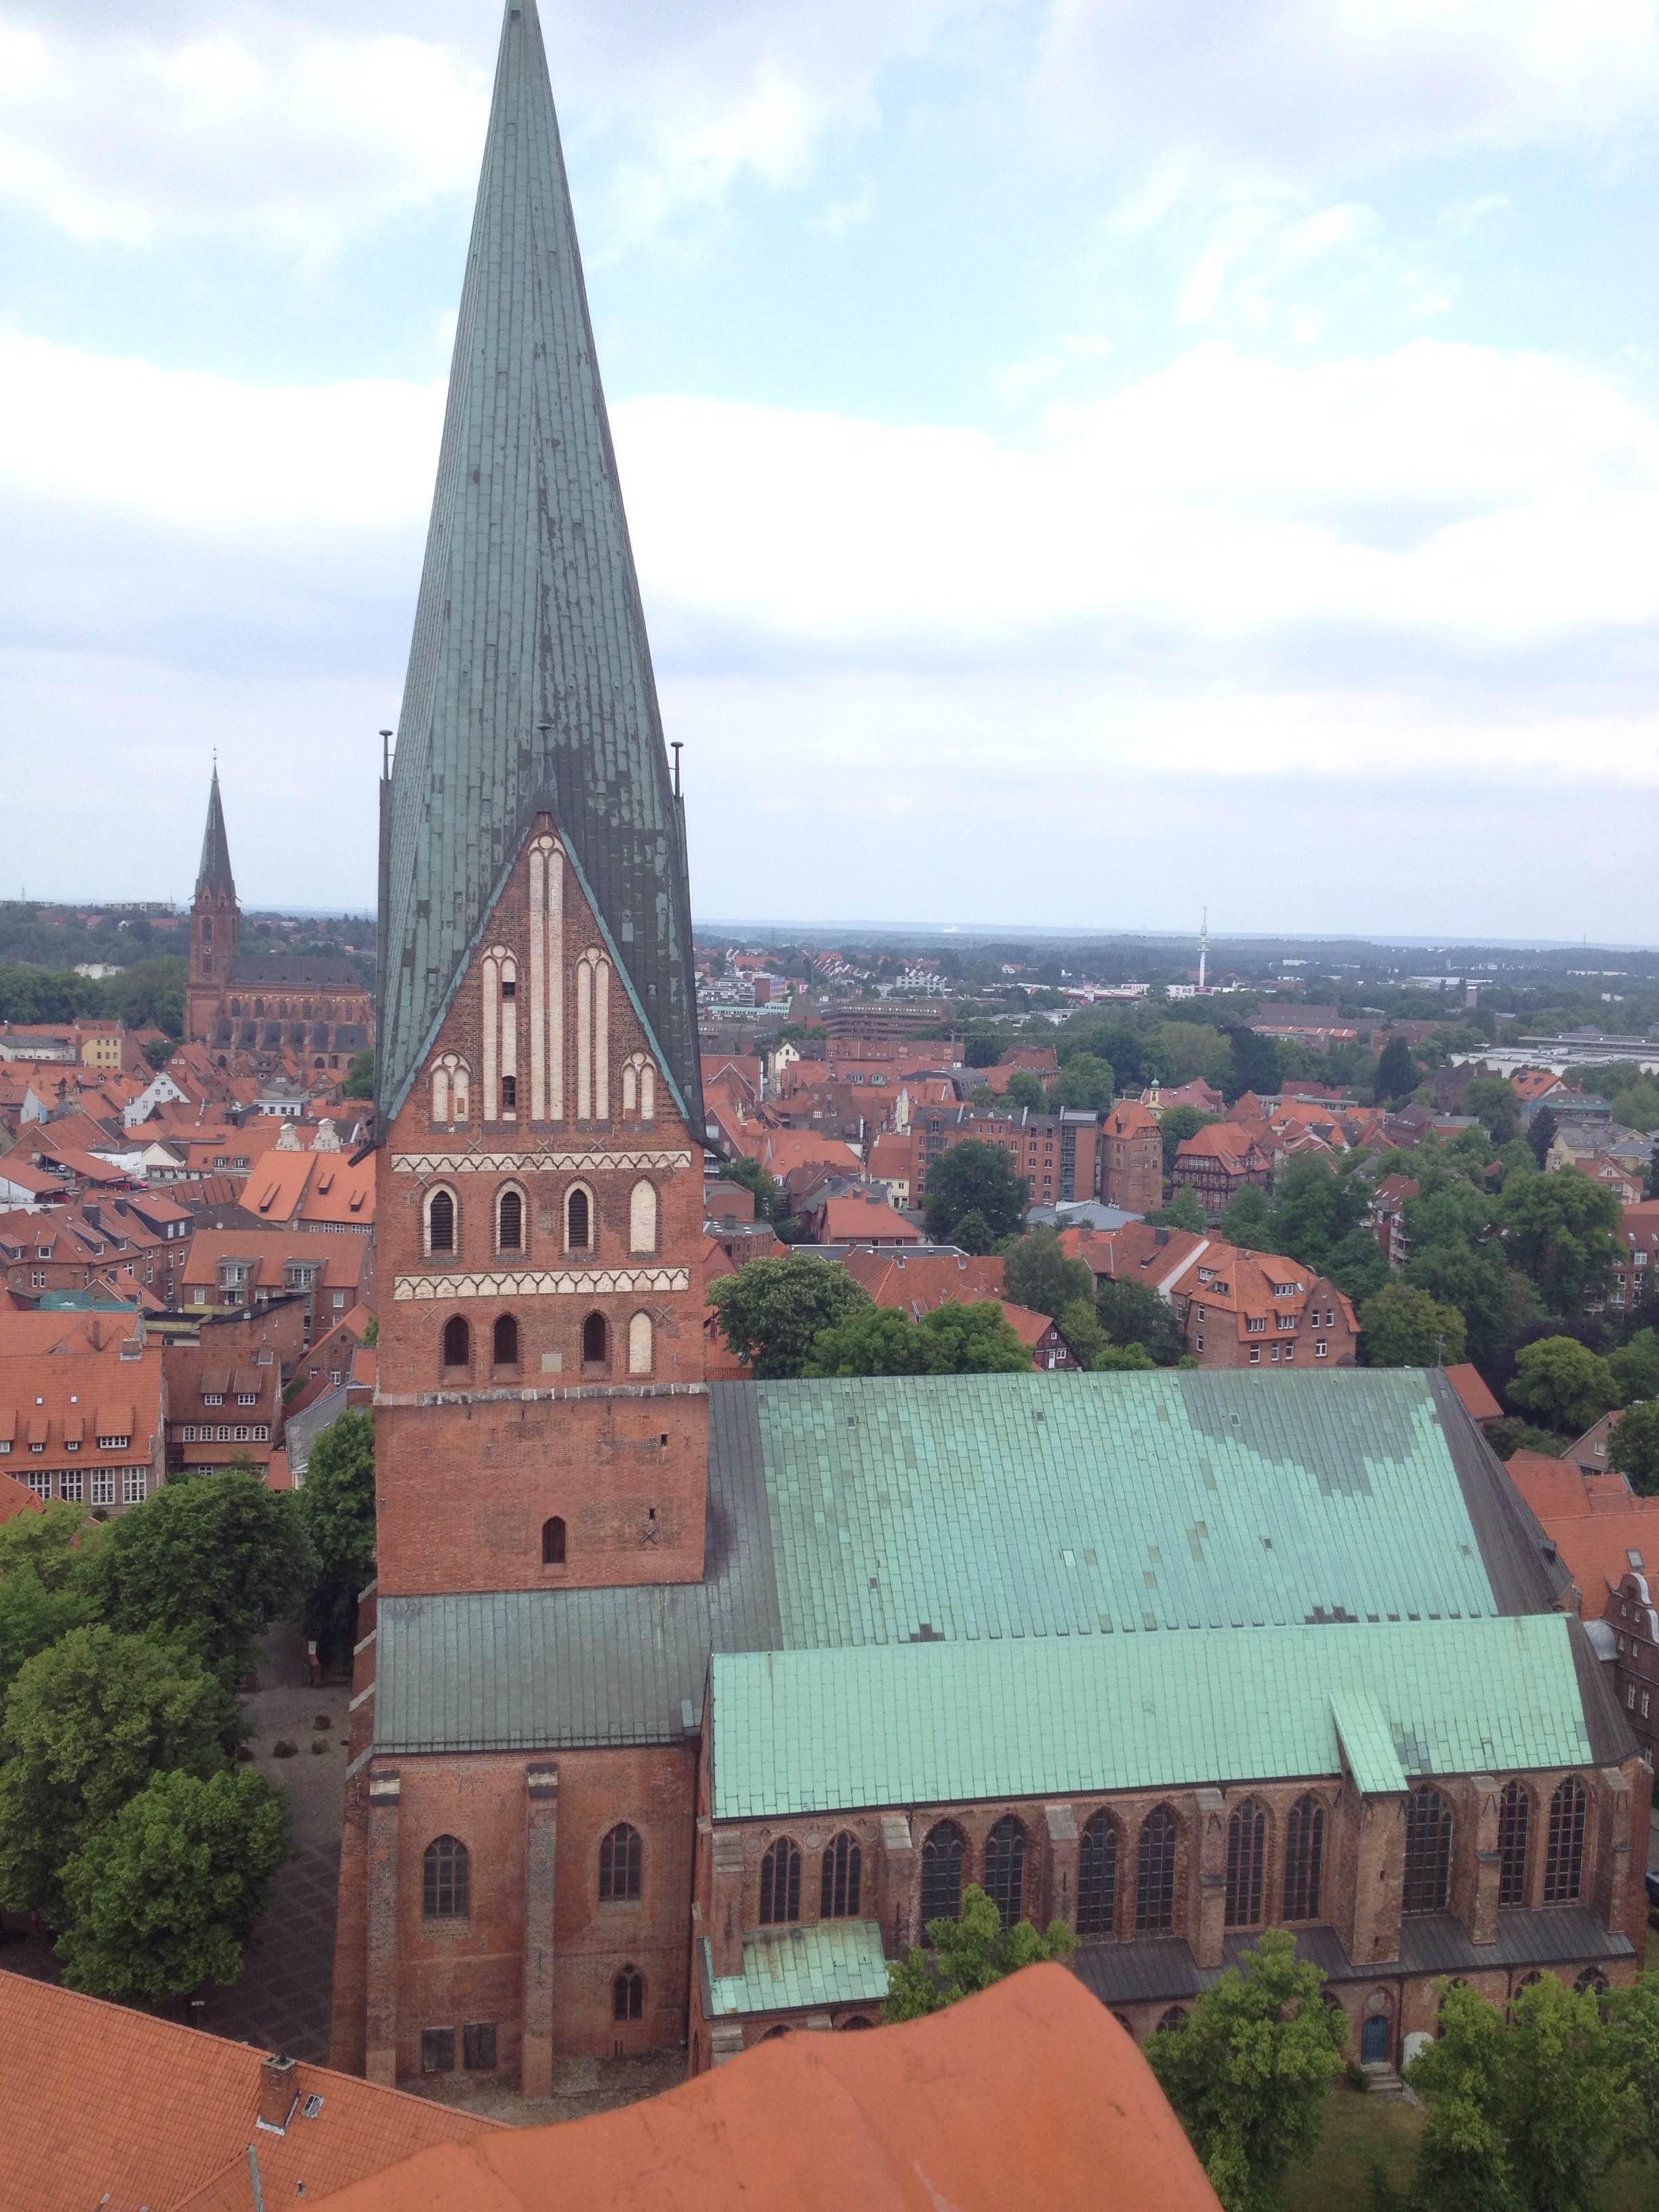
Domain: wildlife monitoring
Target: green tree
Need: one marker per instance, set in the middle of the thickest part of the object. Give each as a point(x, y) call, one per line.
point(1633, 1448)
point(1636, 1104)
point(773, 1311)
point(1356, 1265)
point(1541, 1133)
point(1633, 2054)
point(1025, 1089)
point(1248, 2073)
point(1561, 1231)
point(872, 1341)
point(1462, 2157)
point(969, 1953)
point(165, 1894)
point(1257, 1065)
point(1079, 1325)
point(43, 1562)
point(973, 1235)
point(360, 1076)
point(1183, 1212)
point(981, 1048)
point(1121, 1359)
point(1086, 1083)
point(1636, 1367)
point(1400, 1327)
point(769, 1196)
point(974, 1178)
point(1175, 1124)
point(974, 1340)
point(337, 1510)
point(1317, 1209)
point(1493, 1101)
point(1496, 1302)
point(216, 1560)
point(159, 1050)
point(1563, 1382)
point(1035, 1273)
point(1132, 1313)
point(1248, 1220)
point(85, 1724)
point(1397, 1073)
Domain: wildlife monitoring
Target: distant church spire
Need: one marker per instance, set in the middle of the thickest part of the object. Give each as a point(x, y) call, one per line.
point(530, 686)
point(214, 874)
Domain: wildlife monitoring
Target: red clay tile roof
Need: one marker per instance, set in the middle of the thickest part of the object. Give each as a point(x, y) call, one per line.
point(14, 1498)
point(858, 1221)
point(1028, 2098)
point(917, 1282)
point(126, 2112)
point(1478, 1401)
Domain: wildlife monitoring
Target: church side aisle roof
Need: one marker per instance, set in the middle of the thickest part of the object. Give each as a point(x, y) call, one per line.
point(900, 1511)
point(530, 684)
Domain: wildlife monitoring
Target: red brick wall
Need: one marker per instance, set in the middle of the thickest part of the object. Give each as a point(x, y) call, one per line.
point(474, 1460)
point(1132, 1170)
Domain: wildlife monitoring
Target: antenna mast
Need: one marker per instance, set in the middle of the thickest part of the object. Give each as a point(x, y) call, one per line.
point(1204, 948)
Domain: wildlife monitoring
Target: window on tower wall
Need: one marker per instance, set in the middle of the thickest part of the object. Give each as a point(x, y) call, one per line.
point(642, 1217)
point(578, 1222)
point(641, 1343)
point(596, 1342)
point(457, 1343)
point(505, 1345)
point(510, 1221)
point(441, 1221)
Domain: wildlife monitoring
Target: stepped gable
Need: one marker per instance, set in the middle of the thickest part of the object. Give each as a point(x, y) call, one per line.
point(529, 687)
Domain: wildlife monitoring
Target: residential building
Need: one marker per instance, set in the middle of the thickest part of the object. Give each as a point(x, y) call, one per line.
point(891, 1165)
point(223, 1411)
point(1057, 1153)
point(1215, 1164)
point(135, 1246)
point(1387, 1216)
point(89, 1427)
point(1242, 1308)
point(1131, 1158)
point(860, 1216)
point(229, 1269)
point(1637, 1237)
point(1477, 1401)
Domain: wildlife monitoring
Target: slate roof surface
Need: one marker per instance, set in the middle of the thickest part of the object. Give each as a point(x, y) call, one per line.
point(797, 1732)
point(530, 685)
point(214, 873)
point(876, 1512)
point(833, 1962)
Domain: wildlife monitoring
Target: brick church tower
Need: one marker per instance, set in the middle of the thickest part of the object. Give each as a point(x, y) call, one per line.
point(542, 1419)
point(215, 923)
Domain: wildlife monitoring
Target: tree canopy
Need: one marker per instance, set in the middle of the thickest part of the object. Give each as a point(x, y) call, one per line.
point(1025, 1089)
point(1561, 1231)
point(1564, 1382)
point(360, 1076)
point(1177, 1123)
point(974, 1178)
point(1035, 1273)
point(1085, 1083)
point(337, 1510)
point(969, 1953)
point(1400, 1327)
point(1633, 1448)
point(1397, 1073)
point(773, 1311)
point(1131, 1313)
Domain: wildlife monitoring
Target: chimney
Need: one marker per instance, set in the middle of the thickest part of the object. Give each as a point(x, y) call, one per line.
point(1160, 1235)
point(279, 2092)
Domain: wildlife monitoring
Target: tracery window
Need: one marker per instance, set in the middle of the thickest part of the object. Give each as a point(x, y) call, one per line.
point(1428, 1853)
point(1155, 1873)
point(1563, 1852)
point(780, 1884)
point(1305, 1854)
point(628, 1995)
point(942, 1852)
point(841, 1878)
point(1246, 1854)
point(1514, 1820)
point(621, 1857)
point(1005, 1868)
point(446, 1879)
point(1096, 1876)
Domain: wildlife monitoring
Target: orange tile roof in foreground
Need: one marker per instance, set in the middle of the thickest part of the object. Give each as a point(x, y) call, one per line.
point(1028, 2098)
point(124, 2112)
point(1478, 1401)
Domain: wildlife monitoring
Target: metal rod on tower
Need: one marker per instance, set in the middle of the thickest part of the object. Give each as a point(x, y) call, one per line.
point(674, 747)
point(1204, 948)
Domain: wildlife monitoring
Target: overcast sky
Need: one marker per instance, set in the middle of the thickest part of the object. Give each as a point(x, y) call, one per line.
point(1087, 459)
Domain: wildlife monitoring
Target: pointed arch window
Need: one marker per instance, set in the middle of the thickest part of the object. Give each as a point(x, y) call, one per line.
point(596, 1342)
point(458, 1343)
point(509, 1220)
point(1005, 1868)
point(1155, 1873)
point(641, 1344)
point(441, 1221)
point(1563, 1852)
point(592, 1037)
point(1514, 1820)
point(780, 1884)
point(639, 1088)
point(642, 1217)
point(1428, 1853)
point(1096, 1876)
point(841, 1879)
point(621, 1860)
point(500, 1035)
point(504, 1345)
point(628, 1995)
point(446, 1879)
point(1304, 1858)
point(943, 1852)
point(1247, 1855)
point(578, 1220)
point(553, 1542)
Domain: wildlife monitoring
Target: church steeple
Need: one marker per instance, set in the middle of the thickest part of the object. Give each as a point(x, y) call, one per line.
point(530, 689)
point(214, 874)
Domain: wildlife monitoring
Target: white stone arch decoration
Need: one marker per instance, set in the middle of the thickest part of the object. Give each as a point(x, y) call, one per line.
point(450, 1091)
point(592, 1037)
point(642, 1216)
point(500, 1035)
point(585, 1192)
point(639, 1087)
point(546, 979)
point(429, 1199)
point(641, 1344)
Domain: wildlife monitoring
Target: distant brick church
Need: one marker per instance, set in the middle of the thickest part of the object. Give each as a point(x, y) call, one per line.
point(316, 1011)
point(680, 1709)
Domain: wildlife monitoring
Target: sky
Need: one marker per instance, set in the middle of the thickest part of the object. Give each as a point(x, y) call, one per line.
point(1088, 460)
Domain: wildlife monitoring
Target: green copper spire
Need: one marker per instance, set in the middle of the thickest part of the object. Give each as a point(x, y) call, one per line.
point(530, 684)
point(214, 874)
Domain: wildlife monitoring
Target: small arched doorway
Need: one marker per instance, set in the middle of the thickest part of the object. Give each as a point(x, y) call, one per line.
point(1374, 2041)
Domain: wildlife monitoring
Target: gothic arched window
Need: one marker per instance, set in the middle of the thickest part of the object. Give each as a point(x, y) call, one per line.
point(620, 1856)
point(641, 1345)
point(458, 1343)
point(553, 1542)
point(1247, 1856)
point(628, 1995)
point(1096, 1876)
point(510, 1221)
point(1155, 1873)
point(942, 1854)
point(642, 1217)
point(577, 1221)
point(504, 1342)
point(446, 1879)
point(596, 1342)
point(1514, 1820)
point(441, 1221)
point(841, 1878)
point(780, 1884)
point(1428, 1853)
point(1563, 1852)
point(1305, 1854)
point(1005, 1868)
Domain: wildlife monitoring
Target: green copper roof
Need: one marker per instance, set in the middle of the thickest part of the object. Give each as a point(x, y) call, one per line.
point(836, 1962)
point(967, 1506)
point(799, 1732)
point(1367, 1741)
point(530, 685)
point(214, 874)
